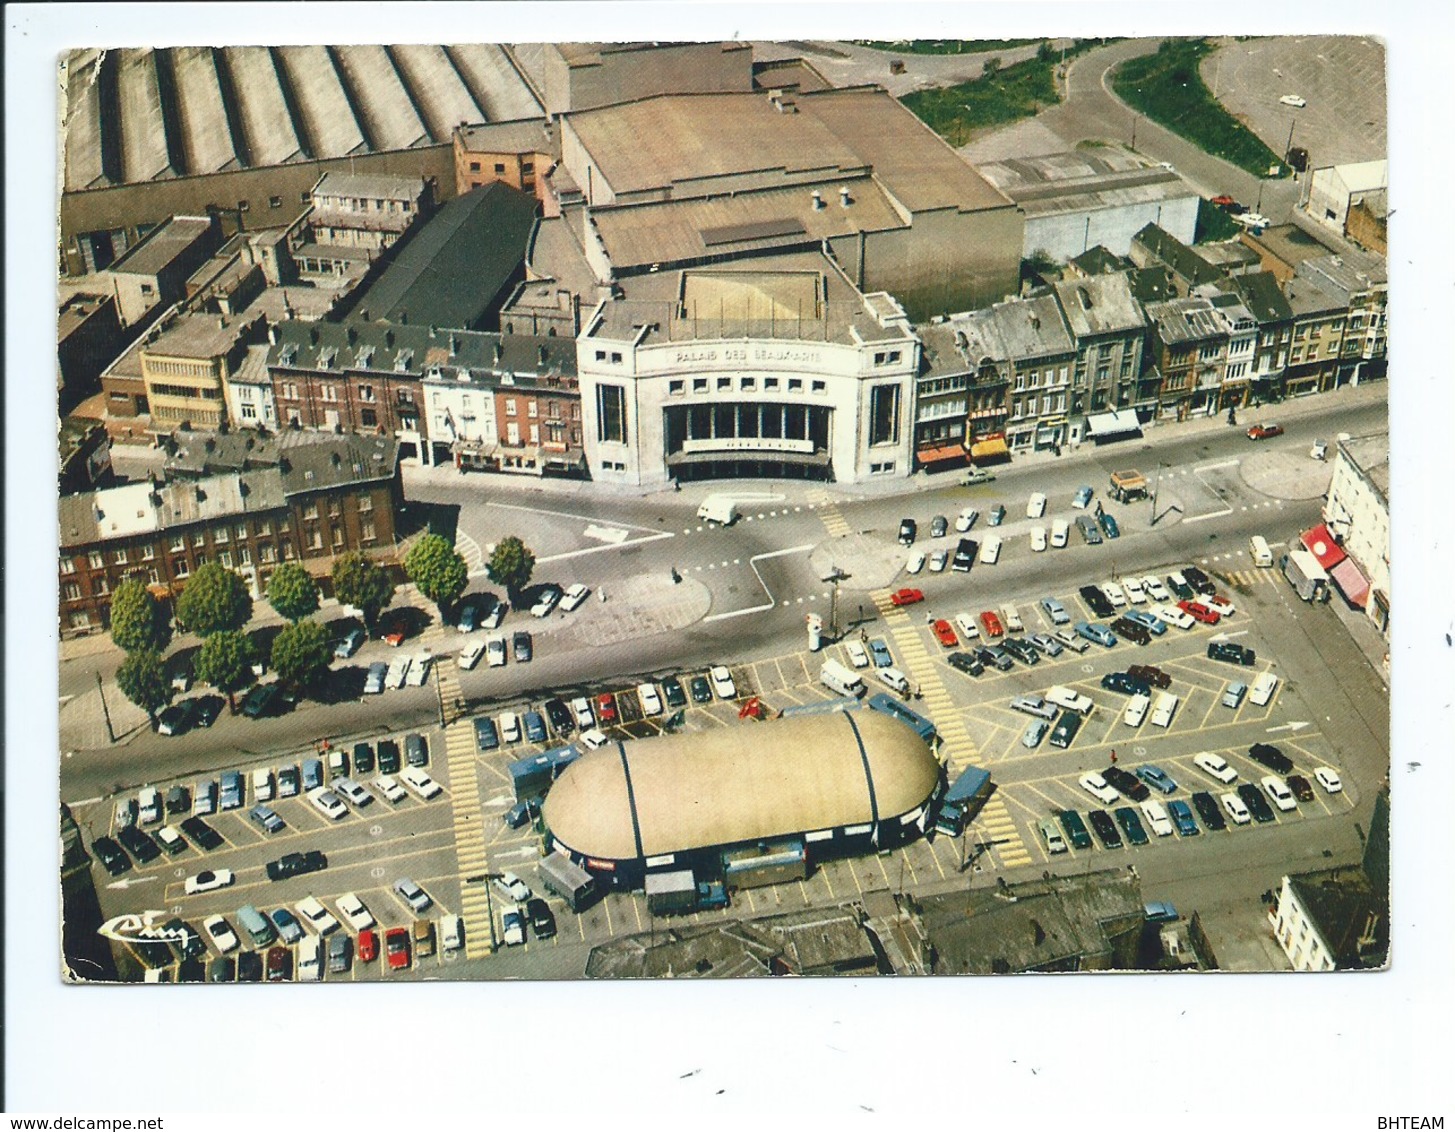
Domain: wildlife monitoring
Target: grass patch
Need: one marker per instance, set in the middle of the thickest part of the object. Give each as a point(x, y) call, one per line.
point(941, 46)
point(1213, 224)
point(1167, 88)
point(998, 96)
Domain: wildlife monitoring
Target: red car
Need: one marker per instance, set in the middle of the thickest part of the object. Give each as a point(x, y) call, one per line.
point(368, 946)
point(392, 631)
point(905, 597)
point(946, 634)
point(992, 624)
point(1264, 431)
point(1223, 201)
point(606, 708)
point(1200, 612)
point(396, 947)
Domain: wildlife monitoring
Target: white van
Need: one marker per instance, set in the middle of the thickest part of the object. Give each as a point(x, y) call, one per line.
point(310, 959)
point(1162, 709)
point(1011, 619)
point(150, 801)
point(718, 509)
point(452, 933)
point(338, 763)
point(1060, 533)
point(1259, 551)
point(1136, 710)
point(1157, 818)
point(1263, 688)
point(835, 677)
point(895, 679)
point(990, 550)
point(262, 785)
point(1064, 697)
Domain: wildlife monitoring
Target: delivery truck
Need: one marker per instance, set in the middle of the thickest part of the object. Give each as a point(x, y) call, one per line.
point(1305, 574)
point(568, 880)
point(718, 509)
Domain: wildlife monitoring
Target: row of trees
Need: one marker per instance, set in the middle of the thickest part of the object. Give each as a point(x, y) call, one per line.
point(215, 604)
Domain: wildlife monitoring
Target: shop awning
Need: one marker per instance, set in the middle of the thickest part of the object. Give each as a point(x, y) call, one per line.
point(954, 451)
point(1351, 582)
point(1321, 545)
point(988, 447)
point(1116, 425)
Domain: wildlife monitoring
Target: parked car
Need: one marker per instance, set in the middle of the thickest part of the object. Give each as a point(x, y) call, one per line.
point(965, 552)
point(265, 817)
point(1055, 611)
point(1293, 100)
point(560, 718)
point(1129, 784)
point(177, 719)
point(509, 727)
point(1215, 767)
point(1329, 779)
point(1095, 785)
point(915, 562)
point(1253, 798)
point(1155, 589)
point(722, 682)
point(908, 529)
point(1033, 734)
point(1036, 505)
point(1236, 809)
point(906, 597)
point(392, 791)
point(1280, 793)
point(393, 629)
point(296, 864)
point(1271, 757)
point(1125, 683)
point(1104, 828)
point(1157, 778)
point(1265, 431)
point(966, 663)
point(1207, 809)
point(1130, 630)
point(389, 760)
point(470, 655)
point(990, 550)
point(997, 515)
point(1172, 615)
point(1231, 652)
point(1300, 787)
point(701, 690)
point(512, 927)
point(1094, 631)
point(535, 727)
point(414, 897)
point(208, 880)
point(1149, 621)
point(1090, 532)
point(574, 596)
point(1109, 524)
point(1047, 644)
point(1038, 538)
point(1199, 581)
point(1060, 533)
point(1074, 828)
point(396, 948)
point(547, 599)
point(1150, 675)
point(945, 634)
point(1082, 499)
point(1199, 612)
point(520, 646)
point(1073, 642)
point(1180, 587)
point(1131, 825)
point(264, 699)
point(939, 527)
point(1097, 601)
point(326, 802)
point(966, 519)
point(349, 644)
point(113, 859)
point(991, 623)
point(512, 887)
point(939, 559)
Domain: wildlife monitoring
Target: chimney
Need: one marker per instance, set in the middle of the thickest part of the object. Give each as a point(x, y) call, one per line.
point(541, 356)
point(353, 335)
point(389, 339)
point(844, 199)
point(403, 317)
point(499, 351)
point(313, 335)
point(272, 335)
point(817, 200)
point(338, 461)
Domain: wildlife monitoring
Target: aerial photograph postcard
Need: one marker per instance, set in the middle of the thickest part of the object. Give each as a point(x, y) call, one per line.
point(714, 509)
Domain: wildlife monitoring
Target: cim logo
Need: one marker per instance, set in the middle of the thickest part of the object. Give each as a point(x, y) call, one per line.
point(141, 927)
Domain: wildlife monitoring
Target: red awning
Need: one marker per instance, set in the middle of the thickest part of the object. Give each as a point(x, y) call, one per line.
point(1351, 582)
point(954, 451)
point(1322, 546)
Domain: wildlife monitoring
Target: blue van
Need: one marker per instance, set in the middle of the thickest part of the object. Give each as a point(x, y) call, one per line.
point(232, 790)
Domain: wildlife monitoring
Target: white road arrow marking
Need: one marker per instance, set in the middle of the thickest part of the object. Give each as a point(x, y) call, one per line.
point(613, 535)
point(524, 851)
point(127, 882)
point(498, 800)
point(1226, 636)
point(1299, 726)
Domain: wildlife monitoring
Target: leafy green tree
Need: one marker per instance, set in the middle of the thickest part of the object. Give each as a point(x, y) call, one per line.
point(292, 592)
point(301, 654)
point(361, 582)
point(511, 566)
point(215, 600)
point(437, 569)
point(226, 662)
point(138, 621)
point(143, 682)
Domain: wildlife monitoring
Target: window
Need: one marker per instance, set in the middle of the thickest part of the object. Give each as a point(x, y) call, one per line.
point(148, 553)
point(120, 556)
point(275, 202)
point(819, 386)
point(225, 557)
point(795, 385)
point(329, 392)
point(287, 552)
point(366, 393)
point(724, 384)
point(368, 418)
point(315, 540)
point(180, 569)
point(366, 530)
point(530, 409)
point(241, 531)
point(748, 384)
point(510, 406)
point(68, 566)
point(615, 358)
point(242, 206)
point(527, 166)
point(611, 414)
point(406, 396)
point(500, 167)
point(884, 414)
point(770, 383)
point(366, 503)
point(265, 526)
point(338, 534)
point(676, 388)
point(290, 390)
point(699, 385)
point(219, 534)
point(535, 434)
point(73, 591)
point(601, 355)
point(265, 552)
point(148, 289)
point(474, 167)
point(245, 556)
point(334, 508)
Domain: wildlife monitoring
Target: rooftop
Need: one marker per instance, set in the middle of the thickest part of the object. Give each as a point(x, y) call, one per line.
point(740, 223)
point(196, 335)
point(788, 74)
point(1016, 330)
point(1101, 304)
point(1077, 181)
point(373, 186)
point(1360, 176)
point(664, 141)
point(1370, 454)
point(304, 461)
point(1262, 295)
point(76, 310)
point(740, 784)
point(1176, 255)
point(524, 135)
point(1346, 275)
point(1098, 261)
point(792, 296)
point(162, 245)
point(139, 508)
point(455, 267)
point(1192, 319)
point(1344, 907)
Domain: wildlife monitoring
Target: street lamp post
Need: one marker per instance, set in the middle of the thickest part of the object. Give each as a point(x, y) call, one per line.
point(485, 879)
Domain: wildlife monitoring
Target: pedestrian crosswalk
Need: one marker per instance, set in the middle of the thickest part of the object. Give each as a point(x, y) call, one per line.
point(464, 787)
point(957, 750)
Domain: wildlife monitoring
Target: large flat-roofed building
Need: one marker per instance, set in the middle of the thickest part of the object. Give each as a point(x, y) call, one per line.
point(579, 76)
point(1075, 201)
point(852, 170)
point(823, 786)
point(1357, 513)
point(152, 275)
point(778, 367)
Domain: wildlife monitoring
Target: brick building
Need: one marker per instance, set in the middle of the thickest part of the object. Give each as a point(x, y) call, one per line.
point(308, 499)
